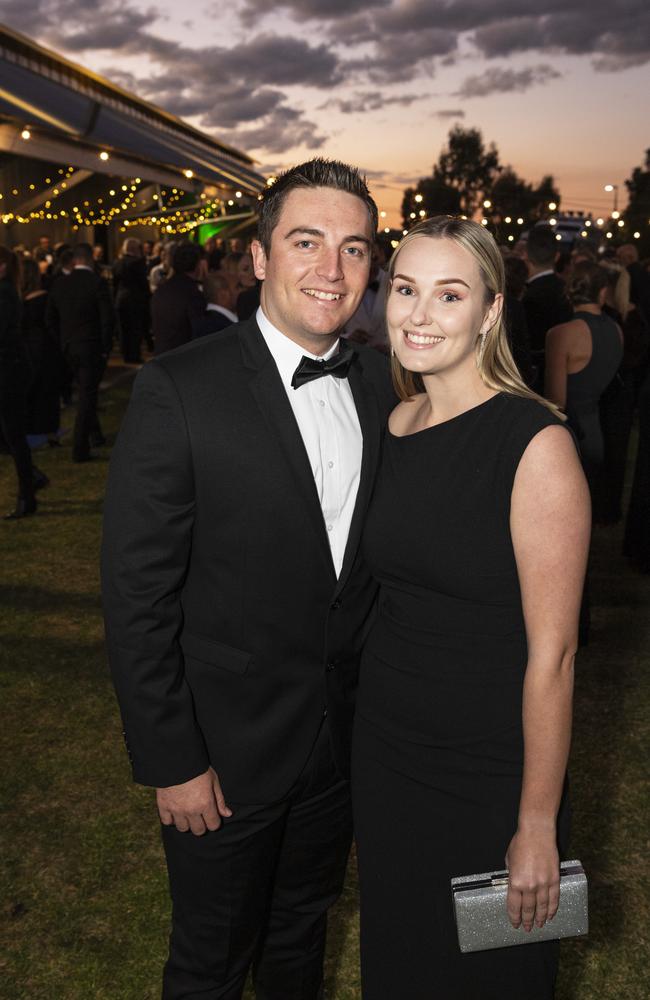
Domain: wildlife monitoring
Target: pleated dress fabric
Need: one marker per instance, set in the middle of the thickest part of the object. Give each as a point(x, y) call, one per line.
point(438, 743)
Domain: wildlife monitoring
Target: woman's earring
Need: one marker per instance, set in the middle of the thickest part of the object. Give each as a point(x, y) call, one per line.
point(481, 348)
point(392, 352)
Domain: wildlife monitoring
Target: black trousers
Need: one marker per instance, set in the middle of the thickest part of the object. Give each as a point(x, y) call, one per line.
point(13, 428)
point(255, 893)
point(87, 365)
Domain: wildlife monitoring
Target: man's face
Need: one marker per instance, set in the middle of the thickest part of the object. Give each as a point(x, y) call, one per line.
point(317, 270)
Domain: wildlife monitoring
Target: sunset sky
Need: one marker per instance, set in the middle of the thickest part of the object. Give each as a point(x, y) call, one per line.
point(561, 86)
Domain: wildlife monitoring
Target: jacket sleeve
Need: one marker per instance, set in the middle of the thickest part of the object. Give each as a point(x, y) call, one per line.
point(149, 513)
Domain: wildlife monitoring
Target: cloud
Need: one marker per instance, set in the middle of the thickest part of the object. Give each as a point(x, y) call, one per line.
point(446, 113)
point(501, 80)
point(323, 10)
point(225, 87)
point(369, 101)
point(284, 129)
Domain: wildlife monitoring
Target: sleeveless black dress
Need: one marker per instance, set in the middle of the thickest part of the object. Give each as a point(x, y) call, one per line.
point(585, 388)
point(438, 743)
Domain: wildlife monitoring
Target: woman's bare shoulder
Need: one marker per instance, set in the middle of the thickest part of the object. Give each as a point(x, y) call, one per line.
point(404, 416)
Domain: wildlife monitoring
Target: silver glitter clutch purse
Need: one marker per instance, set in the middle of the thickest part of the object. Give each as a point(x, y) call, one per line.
point(482, 920)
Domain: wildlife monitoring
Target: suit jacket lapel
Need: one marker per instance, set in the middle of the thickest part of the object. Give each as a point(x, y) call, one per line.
point(271, 398)
point(365, 400)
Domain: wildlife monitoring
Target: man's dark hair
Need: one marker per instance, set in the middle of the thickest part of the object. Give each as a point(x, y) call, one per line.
point(541, 247)
point(186, 257)
point(83, 254)
point(314, 173)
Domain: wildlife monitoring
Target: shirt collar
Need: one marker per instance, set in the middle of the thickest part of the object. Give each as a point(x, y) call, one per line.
point(83, 267)
point(213, 307)
point(286, 353)
point(541, 274)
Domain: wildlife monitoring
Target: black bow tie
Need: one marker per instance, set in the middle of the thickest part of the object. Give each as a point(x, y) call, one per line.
point(310, 368)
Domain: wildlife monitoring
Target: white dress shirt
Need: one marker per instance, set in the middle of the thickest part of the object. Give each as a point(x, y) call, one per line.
point(327, 419)
point(228, 313)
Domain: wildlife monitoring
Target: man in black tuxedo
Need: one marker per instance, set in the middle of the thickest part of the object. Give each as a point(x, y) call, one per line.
point(545, 302)
point(236, 600)
point(178, 302)
point(219, 312)
point(80, 314)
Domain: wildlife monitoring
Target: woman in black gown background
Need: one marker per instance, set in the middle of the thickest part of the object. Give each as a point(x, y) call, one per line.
point(478, 534)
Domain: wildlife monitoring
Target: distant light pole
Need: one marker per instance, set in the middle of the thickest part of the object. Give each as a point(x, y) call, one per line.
point(614, 188)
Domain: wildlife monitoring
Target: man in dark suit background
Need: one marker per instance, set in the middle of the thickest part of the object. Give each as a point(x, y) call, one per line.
point(545, 302)
point(219, 312)
point(178, 302)
point(80, 314)
point(236, 601)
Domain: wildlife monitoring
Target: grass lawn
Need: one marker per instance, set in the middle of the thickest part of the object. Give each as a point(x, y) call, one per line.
point(83, 901)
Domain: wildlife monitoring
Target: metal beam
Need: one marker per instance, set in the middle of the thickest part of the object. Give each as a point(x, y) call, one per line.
point(52, 150)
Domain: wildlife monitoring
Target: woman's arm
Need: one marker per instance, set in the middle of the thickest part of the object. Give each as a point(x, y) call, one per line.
point(550, 526)
point(556, 364)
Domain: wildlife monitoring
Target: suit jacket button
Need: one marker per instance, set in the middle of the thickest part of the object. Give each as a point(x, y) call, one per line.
point(330, 666)
point(335, 605)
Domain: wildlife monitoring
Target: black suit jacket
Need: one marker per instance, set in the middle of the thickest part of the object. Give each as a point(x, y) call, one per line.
point(545, 305)
point(211, 321)
point(175, 305)
point(229, 635)
point(80, 311)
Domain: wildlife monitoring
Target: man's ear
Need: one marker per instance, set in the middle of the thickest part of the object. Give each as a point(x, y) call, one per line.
point(259, 260)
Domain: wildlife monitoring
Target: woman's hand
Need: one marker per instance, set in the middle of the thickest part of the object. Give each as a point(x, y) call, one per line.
point(534, 881)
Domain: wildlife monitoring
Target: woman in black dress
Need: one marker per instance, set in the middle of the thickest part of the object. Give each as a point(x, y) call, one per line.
point(478, 534)
point(582, 359)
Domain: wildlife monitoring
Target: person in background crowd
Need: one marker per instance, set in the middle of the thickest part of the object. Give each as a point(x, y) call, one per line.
point(99, 260)
point(160, 272)
point(248, 296)
point(214, 252)
point(628, 255)
point(80, 314)
point(544, 299)
point(179, 301)
point(131, 293)
point(230, 267)
point(14, 377)
point(636, 544)
point(618, 402)
point(582, 358)
point(151, 257)
point(219, 312)
point(516, 272)
point(46, 362)
point(368, 325)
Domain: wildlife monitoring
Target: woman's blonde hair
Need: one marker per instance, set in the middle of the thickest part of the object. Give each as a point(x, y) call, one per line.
point(494, 359)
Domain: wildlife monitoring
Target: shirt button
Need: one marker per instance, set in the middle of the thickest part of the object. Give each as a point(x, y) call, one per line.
point(330, 465)
point(321, 402)
point(330, 527)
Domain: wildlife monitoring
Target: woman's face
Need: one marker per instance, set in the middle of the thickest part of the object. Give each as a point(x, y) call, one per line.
point(437, 308)
point(245, 272)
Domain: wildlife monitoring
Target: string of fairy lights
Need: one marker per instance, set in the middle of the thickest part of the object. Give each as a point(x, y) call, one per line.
point(118, 205)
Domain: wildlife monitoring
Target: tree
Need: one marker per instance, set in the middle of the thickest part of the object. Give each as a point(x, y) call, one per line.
point(432, 196)
point(464, 172)
point(637, 213)
point(468, 166)
point(513, 198)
